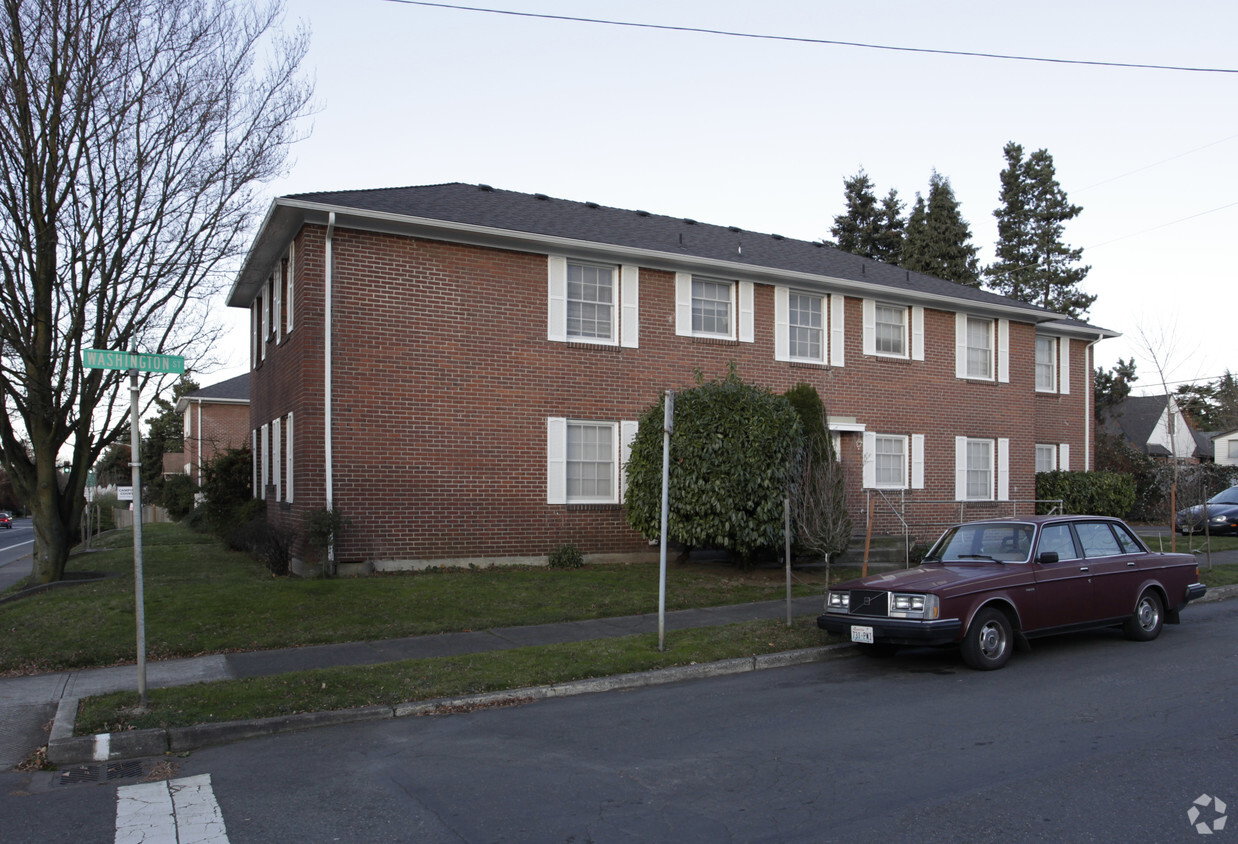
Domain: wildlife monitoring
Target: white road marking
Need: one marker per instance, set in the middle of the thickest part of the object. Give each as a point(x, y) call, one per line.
point(17, 545)
point(180, 811)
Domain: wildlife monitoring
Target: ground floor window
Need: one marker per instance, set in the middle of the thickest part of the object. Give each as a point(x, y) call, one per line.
point(585, 460)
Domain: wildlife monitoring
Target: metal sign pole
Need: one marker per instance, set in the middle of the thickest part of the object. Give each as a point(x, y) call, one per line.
point(668, 422)
point(135, 468)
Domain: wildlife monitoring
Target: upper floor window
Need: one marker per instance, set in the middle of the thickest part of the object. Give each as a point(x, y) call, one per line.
point(979, 348)
point(713, 307)
point(891, 330)
point(806, 326)
point(982, 348)
point(593, 302)
point(1046, 364)
point(590, 301)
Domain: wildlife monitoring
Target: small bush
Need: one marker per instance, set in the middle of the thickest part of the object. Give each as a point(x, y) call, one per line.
point(1087, 493)
point(179, 496)
point(566, 557)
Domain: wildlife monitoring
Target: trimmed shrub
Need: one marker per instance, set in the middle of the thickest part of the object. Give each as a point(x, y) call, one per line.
point(1087, 493)
point(566, 557)
point(179, 496)
point(734, 455)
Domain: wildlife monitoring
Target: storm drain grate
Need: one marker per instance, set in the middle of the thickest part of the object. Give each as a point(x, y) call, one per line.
point(101, 773)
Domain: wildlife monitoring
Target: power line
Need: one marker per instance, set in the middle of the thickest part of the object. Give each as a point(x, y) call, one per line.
point(1162, 226)
point(1155, 164)
point(803, 40)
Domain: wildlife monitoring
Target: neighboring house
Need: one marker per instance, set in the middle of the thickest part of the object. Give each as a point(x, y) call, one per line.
point(216, 418)
point(460, 369)
point(1225, 448)
point(1155, 426)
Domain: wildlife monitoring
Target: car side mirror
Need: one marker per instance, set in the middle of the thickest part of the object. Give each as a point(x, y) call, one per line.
point(1047, 558)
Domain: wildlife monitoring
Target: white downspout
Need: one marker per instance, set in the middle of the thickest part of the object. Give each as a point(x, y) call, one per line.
point(330, 478)
point(199, 455)
point(1088, 396)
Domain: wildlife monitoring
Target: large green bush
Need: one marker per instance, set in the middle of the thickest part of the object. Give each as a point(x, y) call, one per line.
point(734, 452)
point(1087, 493)
point(227, 483)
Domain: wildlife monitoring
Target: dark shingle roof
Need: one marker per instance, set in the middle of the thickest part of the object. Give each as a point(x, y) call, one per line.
point(1134, 420)
point(233, 389)
point(539, 214)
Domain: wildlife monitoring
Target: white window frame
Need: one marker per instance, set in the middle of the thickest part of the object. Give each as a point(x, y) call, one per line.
point(1046, 453)
point(253, 459)
point(1050, 344)
point(912, 449)
point(277, 290)
point(623, 433)
point(1231, 450)
point(288, 458)
point(742, 311)
point(292, 275)
point(1063, 460)
point(783, 329)
point(265, 458)
point(998, 352)
point(624, 304)
point(277, 452)
point(998, 481)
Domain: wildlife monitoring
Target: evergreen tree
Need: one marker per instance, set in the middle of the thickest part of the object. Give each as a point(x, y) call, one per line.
point(165, 433)
point(868, 229)
point(1111, 387)
point(1033, 265)
point(938, 239)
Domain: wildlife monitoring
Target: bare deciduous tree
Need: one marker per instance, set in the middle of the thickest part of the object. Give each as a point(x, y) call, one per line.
point(133, 137)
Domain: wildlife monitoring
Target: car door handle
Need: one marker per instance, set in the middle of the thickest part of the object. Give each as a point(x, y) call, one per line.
point(1130, 564)
point(1083, 568)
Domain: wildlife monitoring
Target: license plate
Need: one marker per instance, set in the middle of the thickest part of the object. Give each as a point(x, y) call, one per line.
point(862, 634)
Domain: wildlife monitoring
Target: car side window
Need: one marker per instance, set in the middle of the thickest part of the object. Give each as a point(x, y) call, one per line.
point(1097, 539)
point(1057, 539)
point(1126, 539)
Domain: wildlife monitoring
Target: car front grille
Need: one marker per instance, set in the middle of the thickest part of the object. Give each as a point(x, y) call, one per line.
point(869, 602)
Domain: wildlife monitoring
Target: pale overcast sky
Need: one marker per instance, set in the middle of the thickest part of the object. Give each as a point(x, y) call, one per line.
point(761, 133)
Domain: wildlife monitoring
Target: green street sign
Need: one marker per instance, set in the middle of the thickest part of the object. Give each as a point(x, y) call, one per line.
point(95, 359)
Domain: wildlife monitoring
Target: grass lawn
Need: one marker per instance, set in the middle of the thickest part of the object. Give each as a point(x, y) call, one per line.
point(203, 599)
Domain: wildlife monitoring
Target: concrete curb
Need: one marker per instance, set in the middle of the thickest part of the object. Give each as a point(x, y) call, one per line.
point(64, 748)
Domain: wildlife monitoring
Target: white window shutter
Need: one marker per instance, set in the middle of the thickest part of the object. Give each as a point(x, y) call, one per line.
point(627, 435)
point(262, 327)
point(288, 462)
point(266, 459)
point(869, 330)
point(917, 333)
point(253, 454)
point(1064, 368)
point(782, 323)
point(960, 347)
point(683, 304)
point(277, 452)
point(917, 461)
point(556, 310)
point(279, 302)
point(556, 460)
point(1063, 460)
point(747, 312)
point(870, 459)
point(292, 277)
point(1003, 351)
point(960, 468)
point(838, 331)
point(629, 295)
point(1003, 469)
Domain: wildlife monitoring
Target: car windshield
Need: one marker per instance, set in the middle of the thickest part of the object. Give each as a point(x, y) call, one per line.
point(1001, 542)
point(1229, 496)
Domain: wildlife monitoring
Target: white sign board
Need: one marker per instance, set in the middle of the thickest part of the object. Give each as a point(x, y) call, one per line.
point(124, 493)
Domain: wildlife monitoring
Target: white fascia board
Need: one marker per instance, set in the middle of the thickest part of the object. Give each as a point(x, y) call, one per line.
point(273, 235)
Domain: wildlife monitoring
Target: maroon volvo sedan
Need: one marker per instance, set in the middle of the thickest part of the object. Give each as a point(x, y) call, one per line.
point(989, 585)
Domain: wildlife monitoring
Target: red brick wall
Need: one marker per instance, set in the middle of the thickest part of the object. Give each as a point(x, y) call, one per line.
point(222, 426)
point(444, 379)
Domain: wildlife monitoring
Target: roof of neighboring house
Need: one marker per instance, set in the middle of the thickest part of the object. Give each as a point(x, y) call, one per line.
point(506, 219)
point(233, 391)
point(1134, 419)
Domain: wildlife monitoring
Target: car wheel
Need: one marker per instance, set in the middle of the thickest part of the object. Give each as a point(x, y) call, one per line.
point(989, 640)
point(1146, 621)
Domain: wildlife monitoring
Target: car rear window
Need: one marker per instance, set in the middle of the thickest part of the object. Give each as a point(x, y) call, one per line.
point(1097, 539)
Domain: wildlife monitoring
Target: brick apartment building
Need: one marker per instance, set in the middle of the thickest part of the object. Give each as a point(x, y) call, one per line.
point(216, 418)
point(459, 368)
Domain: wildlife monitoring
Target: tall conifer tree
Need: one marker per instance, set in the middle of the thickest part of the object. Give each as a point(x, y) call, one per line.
point(938, 239)
point(1033, 265)
point(868, 229)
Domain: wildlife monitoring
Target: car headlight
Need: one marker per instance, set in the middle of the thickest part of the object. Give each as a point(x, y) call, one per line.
point(1220, 520)
point(914, 605)
point(838, 601)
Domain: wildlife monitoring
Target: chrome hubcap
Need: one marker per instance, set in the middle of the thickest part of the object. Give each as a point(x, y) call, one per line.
point(992, 639)
point(1148, 616)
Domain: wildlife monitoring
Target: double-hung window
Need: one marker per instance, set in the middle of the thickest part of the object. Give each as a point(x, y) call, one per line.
point(713, 307)
point(590, 301)
point(979, 348)
point(890, 324)
point(1046, 458)
point(806, 326)
point(982, 348)
point(893, 461)
point(982, 469)
point(891, 457)
point(585, 459)
point(1046, 364)
point(593, 303)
